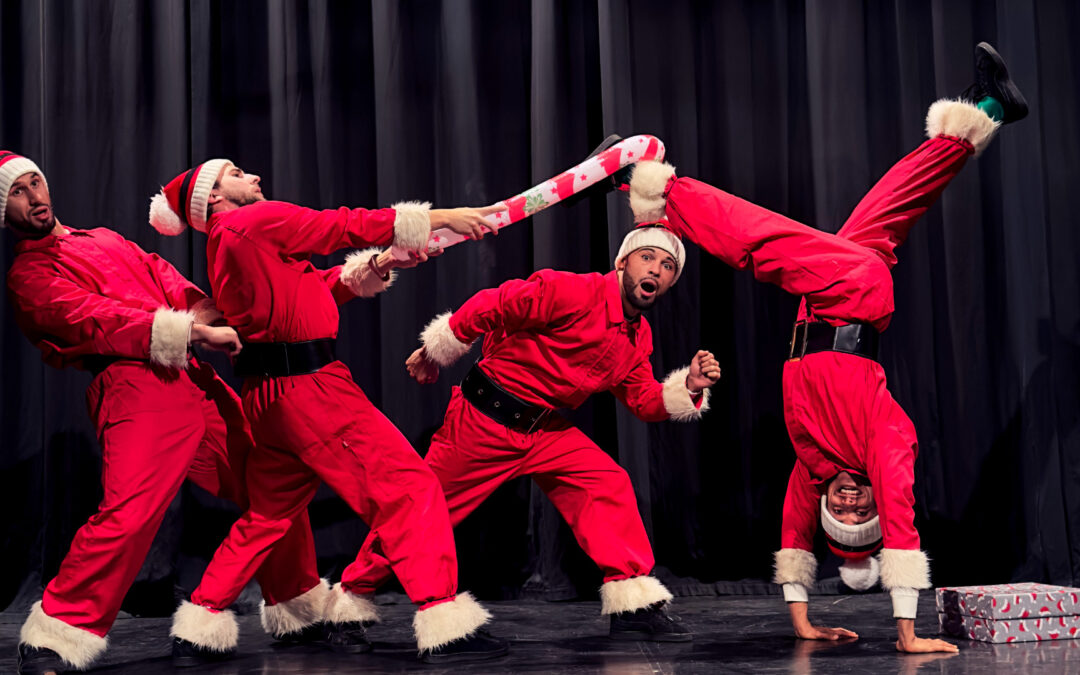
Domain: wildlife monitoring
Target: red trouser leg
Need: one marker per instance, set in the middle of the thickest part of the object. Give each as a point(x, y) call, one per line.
point(468, 474)
point(322, 426)
point(472, 455)
point(290, 569)
point(596, 497)
point(883, 218)
point(149, 430)
point(280, 487)
point(841, 279)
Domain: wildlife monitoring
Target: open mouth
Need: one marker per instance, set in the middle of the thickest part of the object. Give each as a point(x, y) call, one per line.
point(849, 491)
point(648, 287)
point(40, 212)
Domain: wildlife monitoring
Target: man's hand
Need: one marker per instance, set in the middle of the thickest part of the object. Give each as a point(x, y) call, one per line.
point(910, 643)
point(421, 368)
point(466, 221)
point(807, 631)
point(218, 338)
point(207, 312)
point(704, 372)
point(812, 632)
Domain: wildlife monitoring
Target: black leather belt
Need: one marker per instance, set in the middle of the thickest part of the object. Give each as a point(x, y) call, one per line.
point(278, 359)
point(815, 336)
point(500, 405)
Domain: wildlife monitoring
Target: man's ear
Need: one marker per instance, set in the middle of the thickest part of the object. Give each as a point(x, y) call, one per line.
point(214, 198)
point(620, 264)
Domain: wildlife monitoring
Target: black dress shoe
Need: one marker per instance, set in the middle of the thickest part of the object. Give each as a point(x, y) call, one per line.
point(38, 661)
point(346, 638)
point(992, 79)
point(187, 654)
point(615, 181)
point(479, 646)
point(313, 635)
point(651, 623)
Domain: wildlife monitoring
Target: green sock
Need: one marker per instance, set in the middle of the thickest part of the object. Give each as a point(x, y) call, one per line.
point(992, 107)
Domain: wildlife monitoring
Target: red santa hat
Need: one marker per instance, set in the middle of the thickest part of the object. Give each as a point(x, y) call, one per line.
point(183, 201)
point(856, 544)
point(657, 235)
point(11, 167)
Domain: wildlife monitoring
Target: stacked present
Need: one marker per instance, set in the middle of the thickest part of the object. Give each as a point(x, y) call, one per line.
point(1009, 612)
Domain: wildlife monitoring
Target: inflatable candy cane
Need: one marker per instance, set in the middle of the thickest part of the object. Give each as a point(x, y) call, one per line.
point(554, 190)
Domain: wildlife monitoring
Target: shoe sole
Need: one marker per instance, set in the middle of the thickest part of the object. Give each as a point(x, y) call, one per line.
point(1003, 81)
point(644, 636)
point(464, 657)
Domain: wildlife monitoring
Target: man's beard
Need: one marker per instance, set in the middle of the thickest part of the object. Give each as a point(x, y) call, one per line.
point(640, 304)
point(31, 230)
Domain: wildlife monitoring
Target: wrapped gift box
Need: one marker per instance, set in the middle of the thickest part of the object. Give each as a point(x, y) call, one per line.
point(1020, 612)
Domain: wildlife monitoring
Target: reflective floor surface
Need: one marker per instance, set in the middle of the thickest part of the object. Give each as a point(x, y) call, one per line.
point(732, 635)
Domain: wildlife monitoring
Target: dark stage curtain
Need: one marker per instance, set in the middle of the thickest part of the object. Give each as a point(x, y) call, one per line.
point(797, 106)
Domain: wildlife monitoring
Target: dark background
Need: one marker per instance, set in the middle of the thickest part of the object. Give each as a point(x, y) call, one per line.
point(797, 106)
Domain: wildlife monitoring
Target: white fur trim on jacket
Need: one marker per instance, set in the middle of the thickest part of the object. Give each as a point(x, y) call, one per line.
point(677, 399)
point(628, 595)
point(794, 566)
point(345, 607)
point(357, 275)
point(440, 343)
point(901, 568)
point(860, 573)
point(169, 337)
point(216, 631)
point(77, 647)
point(298, 613)
point(448, 621)
point(963, 120)
point(647, 185)
point(412, 225)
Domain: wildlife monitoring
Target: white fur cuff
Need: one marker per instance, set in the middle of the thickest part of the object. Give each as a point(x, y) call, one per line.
point(217, 631)
point(356, 273)
point(902, 568)
point(963, 120)
point(169, 337)
point(628, 595)
point(794, 566)
point(677, 400)
point(345, 607)
point(77, 647)
point(296, 614)
point(440, 343)
point(412, 225)
point(647, 186)
point(448, 621)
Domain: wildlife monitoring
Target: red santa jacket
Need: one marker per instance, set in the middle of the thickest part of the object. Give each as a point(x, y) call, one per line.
point(261, 275)
point(92, 292)
point(556, 338)
point(827, 444)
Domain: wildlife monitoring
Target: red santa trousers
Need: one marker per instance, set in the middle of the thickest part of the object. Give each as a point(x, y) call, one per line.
point(472, 455)
point(838, 403)
point(321, 427)
point(156, 428)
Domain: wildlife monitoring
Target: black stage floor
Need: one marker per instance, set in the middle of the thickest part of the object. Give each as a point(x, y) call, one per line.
point(733, 634)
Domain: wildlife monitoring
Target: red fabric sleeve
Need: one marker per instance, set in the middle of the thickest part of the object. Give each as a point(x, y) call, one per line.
point(802, 510)
point(65, 320)
point(514, 305)
point(300, 232)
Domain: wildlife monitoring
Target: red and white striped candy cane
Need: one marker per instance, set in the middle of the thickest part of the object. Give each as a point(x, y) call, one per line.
point(554, 190)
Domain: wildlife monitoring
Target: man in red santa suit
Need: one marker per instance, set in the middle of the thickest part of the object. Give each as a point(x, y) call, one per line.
point(310, 421)
point(855, 446)
point(92, 300)
point(550, 342)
